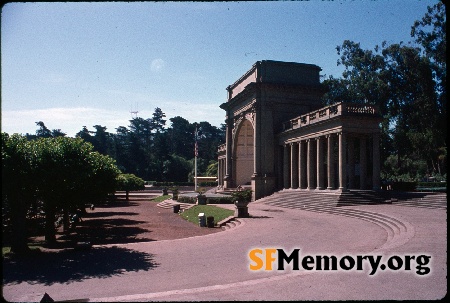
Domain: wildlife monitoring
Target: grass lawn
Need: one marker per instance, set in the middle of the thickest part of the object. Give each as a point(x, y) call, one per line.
point(161, 198)
point(218, 213)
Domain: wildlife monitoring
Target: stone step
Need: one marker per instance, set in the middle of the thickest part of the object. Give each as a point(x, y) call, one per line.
point(397, 231)
point(168, 204)
point(355, 197)
point(234, 222)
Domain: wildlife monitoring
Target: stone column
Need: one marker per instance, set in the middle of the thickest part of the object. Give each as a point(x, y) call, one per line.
point(228, 182)
point(376, 162)
point(219, 172)
point(310, 165)
point(256, 146)
point(301, 165)
point(342, 162)
point(330, 161)
point(362, 162)
point(319, 163)
point(286, 168)
point(351, 162)
point(294, 165)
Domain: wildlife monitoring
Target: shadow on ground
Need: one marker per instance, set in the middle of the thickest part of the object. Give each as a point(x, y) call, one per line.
point(102, 214)
point(111, 231)
point(67, 266)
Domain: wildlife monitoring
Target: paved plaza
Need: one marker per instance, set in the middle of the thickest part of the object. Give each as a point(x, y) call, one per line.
point(216, 266)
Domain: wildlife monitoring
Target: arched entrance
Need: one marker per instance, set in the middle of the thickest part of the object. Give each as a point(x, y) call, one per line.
point(243, 161)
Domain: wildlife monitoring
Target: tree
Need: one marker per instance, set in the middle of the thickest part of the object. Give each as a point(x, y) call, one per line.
point(129, 182)
point(69, 174)
point(176, 169)
point(157, 122)
point(430, 33)
point(44, 132)
point(180, 137)
point(211, 171)
point(18, 185)
point(407, 83)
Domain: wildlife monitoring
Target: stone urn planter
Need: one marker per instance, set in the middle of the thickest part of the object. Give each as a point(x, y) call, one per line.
point(174, 194)
point(242, 198)
point(201, 199)
point(241, 210)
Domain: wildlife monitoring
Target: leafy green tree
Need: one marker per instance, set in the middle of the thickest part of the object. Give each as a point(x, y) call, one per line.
point(180, 137)
point(157, 121)
point(407, 83)
point(211, 171)
point(70, 173)
point(122, 149)
point(44, 132)
point(129, 182)
point(176, 169)
point(18, 185)
point(209, 138)
point(430, 33)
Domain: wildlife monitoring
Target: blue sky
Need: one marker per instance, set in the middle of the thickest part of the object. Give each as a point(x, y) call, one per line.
point(80, 64)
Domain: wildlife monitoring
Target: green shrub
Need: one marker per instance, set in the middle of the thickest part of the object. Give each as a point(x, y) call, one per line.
point(242, 195)
point(186, 199)
point(404, 186)
point(220, 200)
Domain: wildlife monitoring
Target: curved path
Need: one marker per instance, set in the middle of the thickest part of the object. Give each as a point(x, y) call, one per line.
point(216, 267)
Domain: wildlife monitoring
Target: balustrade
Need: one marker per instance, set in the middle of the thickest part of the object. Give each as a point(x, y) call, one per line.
point(329, 112)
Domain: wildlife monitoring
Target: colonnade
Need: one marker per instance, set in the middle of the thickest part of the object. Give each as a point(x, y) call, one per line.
point(334, 161)
point(221, 171)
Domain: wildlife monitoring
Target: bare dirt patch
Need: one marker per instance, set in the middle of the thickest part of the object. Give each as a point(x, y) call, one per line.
point(128, 222)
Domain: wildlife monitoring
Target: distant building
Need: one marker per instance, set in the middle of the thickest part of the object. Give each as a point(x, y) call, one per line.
point(279, 136)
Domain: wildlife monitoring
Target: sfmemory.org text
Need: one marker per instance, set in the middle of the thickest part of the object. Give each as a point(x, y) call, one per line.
point(264, 259)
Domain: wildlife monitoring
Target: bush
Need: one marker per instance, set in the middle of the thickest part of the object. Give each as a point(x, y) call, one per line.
point(186, 199)
point(220, 200)
point(404, 186)
point(432, 184)
point(242, 195)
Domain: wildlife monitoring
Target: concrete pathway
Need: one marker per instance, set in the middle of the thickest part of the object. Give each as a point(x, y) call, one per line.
point(216, 267)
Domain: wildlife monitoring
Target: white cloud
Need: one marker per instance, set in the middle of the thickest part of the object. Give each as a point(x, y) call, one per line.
point(157, 65)
point(72, 120)
point(69, 120)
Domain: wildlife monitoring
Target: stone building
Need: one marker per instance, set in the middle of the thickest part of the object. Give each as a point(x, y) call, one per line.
point(279, 135)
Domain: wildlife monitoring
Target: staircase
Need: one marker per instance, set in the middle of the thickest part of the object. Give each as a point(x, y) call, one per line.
point(168, 204)
point(336, 203)
point(304, 199)
point(229, 223)
point(419, 199)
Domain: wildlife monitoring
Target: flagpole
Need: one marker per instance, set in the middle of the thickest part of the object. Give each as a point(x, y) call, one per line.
point(195, 161)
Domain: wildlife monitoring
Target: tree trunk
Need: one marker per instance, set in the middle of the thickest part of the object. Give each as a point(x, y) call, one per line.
point(19, 230)
point(127, 195)
point(50, 233)
point(66, 222)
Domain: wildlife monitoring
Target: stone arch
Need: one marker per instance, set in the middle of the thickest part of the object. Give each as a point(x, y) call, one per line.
point(243, 161)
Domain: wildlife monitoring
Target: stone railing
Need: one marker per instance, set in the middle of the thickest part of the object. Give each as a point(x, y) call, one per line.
point(331, 111)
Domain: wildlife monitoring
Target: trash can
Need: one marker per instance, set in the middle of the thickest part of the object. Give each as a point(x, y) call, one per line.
point(202, 219)
point(210, 221)
point(176, 208)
